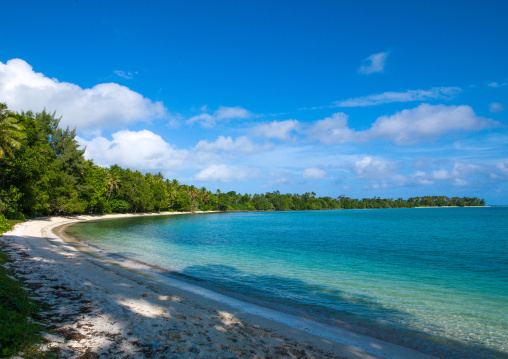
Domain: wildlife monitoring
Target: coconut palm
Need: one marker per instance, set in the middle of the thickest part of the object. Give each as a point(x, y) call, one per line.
point(193, 192)
point(171, 191)
point(113, 183)
point(10, 132)
point(204, 195)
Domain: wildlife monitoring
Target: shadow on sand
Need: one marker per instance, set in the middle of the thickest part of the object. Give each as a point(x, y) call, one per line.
point(92, 308)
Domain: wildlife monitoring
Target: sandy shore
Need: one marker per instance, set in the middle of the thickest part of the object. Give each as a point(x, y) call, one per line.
point(98, 307)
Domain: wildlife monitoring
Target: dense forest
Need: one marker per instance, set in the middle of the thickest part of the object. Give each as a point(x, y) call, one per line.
point(43, 172)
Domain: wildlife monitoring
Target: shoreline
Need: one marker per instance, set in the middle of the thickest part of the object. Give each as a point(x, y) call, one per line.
point(294, 334)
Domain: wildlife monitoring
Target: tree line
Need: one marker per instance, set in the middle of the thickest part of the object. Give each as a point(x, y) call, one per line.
point(43, 172)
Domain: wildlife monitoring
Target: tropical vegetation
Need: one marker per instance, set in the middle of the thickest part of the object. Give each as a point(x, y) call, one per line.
point(44, 172)
point(18, 329)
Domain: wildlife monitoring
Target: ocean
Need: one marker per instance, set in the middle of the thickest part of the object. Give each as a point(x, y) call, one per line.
point(433, 279)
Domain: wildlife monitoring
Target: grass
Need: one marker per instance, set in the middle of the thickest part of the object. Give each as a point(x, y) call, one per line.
point(18, 333)
point(12, 222)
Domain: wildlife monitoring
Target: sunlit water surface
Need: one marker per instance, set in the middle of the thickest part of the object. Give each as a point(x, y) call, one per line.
point(435, 279)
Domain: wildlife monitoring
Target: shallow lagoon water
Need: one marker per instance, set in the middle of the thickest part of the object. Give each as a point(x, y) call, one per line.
point(435, 279)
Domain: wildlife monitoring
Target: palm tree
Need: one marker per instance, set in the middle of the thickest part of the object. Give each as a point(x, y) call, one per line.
point(204, 195)
point(193, 193)
point(10, 132)
point(158, 178)
point(217, 193)
point(113, 183)
point(171, 191)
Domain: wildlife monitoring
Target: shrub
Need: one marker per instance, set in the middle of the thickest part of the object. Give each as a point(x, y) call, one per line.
point(119, 206)
point(17, 331)
point(4, 226)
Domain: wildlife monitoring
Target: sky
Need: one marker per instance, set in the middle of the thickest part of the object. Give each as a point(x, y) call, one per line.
point(366, 98)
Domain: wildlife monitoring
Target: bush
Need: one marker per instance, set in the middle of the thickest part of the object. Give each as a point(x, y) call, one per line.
point(9, 203)
point(208, 207)
point(4, 226)
point(119, 206)
point(17, 332)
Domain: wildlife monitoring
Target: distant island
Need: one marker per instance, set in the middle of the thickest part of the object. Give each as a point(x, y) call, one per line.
point(43, 172)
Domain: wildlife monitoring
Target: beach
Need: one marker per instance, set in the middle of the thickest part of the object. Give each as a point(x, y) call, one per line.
point(99, 306)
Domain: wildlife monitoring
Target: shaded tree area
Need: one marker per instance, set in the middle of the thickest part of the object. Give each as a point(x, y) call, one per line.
point(43, 172)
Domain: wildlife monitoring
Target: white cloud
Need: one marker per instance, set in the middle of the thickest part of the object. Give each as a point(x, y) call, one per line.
point(332, 130)
point(231, 112)
point(420, 178)
point(314, 173)
point(441, 174)
point(281, 181)
point(224, 173)
point(374, 168)
point(455, 176)
point(106, 105)
point(147, 151)
point(497, 84)
point(407, 96)
point(427, 122)
point(374, 63)
point(496, 107)
point(124, 75)
point(277, 129)
point(227, 144)
point(205, 119)
point(222, 113)
point(423, 123)
point(502, 166)
point(459, 182)
point(142, 150)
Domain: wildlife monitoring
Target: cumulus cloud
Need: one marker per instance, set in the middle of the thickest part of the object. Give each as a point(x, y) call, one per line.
point(106, 105)
point(496, 107)
point(458, 175)
point(332, 129)
point(407, 96)
point(207, 120)
point(314, 173)
point(224, 173)
point(141, 150)
point(374, 63)
point(423, 123)
point(277, 129)
point(373, 168)
point(227, 144)
point(427, 122)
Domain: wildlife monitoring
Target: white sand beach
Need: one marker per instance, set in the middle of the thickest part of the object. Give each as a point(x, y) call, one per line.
point(99, 307)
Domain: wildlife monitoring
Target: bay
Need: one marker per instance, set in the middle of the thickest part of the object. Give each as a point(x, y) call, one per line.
point(434, 279)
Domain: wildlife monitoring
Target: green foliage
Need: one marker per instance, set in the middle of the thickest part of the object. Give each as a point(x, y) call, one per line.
point(48, 175)
point(119, 206)
point(9, 203)
point(4, 225)
point(17, 331)
point(11, 132)
point(182, 201)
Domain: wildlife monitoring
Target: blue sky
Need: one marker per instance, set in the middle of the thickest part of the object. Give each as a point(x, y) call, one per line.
point(364, 98)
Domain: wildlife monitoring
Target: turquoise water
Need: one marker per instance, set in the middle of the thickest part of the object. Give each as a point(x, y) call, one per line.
point(435, 279)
